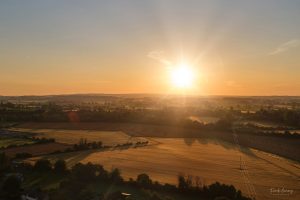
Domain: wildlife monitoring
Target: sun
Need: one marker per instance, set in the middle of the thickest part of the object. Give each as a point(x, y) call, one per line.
point(182, 76)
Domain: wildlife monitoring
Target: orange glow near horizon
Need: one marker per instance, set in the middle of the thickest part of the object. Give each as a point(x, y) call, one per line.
point(107, 47)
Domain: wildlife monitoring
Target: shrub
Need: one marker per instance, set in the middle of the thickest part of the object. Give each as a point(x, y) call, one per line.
point(115, 196)
point(115, 176)
point(43, 165)
point(60, 167)
point(88, 172)
point(4, 161)
point(143, 180)
point(11, 188)
point(23, 155)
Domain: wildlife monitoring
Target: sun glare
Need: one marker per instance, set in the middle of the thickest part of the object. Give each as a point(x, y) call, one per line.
point(182, 76)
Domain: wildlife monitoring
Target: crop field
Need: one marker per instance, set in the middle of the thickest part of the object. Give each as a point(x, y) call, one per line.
point(132, 129)
point(204, 119)
point(37, 149)
point(283, 131)
point(281, 146)
point(263, 124)
point(252, 171)
point(73, 136)
point(8, 141)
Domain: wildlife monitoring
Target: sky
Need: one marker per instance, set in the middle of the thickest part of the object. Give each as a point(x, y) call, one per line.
point(129, 46)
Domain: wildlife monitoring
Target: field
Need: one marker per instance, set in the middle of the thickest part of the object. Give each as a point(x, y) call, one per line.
point(37, 149)
point(73, 136)
point(285, 147)
point(254, 172)
point(263, 124)
point(8, 141)
point(204, 158)
point(204, 120)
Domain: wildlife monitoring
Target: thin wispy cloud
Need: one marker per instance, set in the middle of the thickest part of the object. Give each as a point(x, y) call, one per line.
point(159, 56)
point(286, 46)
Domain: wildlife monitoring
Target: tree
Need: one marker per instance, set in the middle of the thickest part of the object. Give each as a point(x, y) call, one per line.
point(60, 167)
point(221, 198)
point(144, 180)
point(182, 184)
point(154, 196)
point(23, 155)
point(198, 181)
point(24, 167)
point(115, 176)
point(222, 190)
point(43, 165)
point(86, 173)
point(86, 194)
point(115, 196)
point(4, 162)
point(12, 188)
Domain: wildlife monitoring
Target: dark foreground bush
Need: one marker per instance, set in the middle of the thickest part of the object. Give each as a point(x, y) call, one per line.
point(11, 188)
point(77, 183)
point(23, 155)
point(42, 165)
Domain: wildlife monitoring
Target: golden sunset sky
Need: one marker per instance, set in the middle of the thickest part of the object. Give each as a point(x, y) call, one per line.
point(130, 46)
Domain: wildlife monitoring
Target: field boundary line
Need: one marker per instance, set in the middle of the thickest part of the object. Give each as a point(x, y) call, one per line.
point(244, 170)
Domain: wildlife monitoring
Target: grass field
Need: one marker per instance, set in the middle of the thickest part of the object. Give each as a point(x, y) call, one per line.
point(204, 158)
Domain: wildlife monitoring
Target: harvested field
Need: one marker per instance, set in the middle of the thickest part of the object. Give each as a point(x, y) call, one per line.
point(8, 141)
point(209, 159)
point(286, 147)
point(263, 124)
point(37, 149)
point(73, 136)
point(129, 128)
point(204, 119)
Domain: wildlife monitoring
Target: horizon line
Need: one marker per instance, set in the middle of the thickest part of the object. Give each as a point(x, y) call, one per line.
point(122, 94)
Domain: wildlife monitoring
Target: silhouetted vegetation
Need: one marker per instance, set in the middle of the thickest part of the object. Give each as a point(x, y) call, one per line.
point(11, 188)
point(28, 140)
point(284, 116)
point(60, 167)
point(84, 145)
point(81, 176)
point(23, 155)
point(42, 165)
point(4, 162)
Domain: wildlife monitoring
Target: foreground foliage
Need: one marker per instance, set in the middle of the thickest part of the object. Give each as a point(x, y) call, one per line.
point(92, 181)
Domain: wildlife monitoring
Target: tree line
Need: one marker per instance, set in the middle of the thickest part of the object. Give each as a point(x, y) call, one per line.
point(80, 177)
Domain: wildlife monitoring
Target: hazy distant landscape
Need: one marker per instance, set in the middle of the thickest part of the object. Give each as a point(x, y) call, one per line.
point(149, 100)
point(254, 140)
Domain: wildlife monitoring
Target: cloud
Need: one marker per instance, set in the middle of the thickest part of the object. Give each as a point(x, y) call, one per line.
point(159, 56)
point(285, 46)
